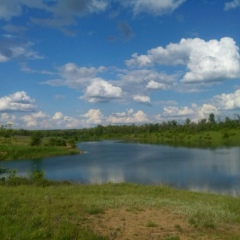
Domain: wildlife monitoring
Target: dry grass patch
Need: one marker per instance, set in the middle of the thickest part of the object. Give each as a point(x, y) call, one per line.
point(150, 224)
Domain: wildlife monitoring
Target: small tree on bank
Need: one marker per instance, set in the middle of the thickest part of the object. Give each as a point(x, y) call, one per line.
point(5, 145)
point(36, 139)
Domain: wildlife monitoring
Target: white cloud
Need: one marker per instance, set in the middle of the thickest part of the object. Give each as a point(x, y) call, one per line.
point(219, 104)
point(144, 79)
point(17, 102)
point(176, 111)
point(231, 5)
point(194, 112)
point(204, 111)
point(58, 116)
point(97, 89)
point(142, 99)
point(36, 120)
point(205, 61)
point(128, 117)
point(229, 101)
point(6, 118)
point(71, 71)
point(74, 76)
point(155, 7)
point(155, 85)
point(93, 116)
point(139, 61)
point(101, 91)
point(41, 120)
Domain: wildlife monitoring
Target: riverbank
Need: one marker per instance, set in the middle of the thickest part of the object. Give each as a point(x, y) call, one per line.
point(20, 148)
point(203, 139)
point(51, 210)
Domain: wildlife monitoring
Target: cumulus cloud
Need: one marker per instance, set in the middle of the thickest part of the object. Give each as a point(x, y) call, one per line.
point(97, 89)
point(219, 104)
point(101, 91)
point(156, 85)
point(176, 111)
point(41, 120)
point(231, 5)
point(142, 99)
point(17, 102)
point(128, 117)
point(6, 118)
point(205, 61)
point(73, 76)
point(155, 7)
point(229, 101)
point(58, 115)
point(35, 119)
point(193, 112)
point(145, 79)
point(93, 116)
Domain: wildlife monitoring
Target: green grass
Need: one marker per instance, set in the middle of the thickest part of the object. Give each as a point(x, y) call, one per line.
point(28, 152)
point(51, 210)
point(21, 149)
point(212, 138)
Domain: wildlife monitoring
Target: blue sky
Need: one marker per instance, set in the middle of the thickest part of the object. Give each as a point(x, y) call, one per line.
point(80, 63)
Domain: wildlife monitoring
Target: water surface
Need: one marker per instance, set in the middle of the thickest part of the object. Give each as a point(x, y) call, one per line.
point(207, 170)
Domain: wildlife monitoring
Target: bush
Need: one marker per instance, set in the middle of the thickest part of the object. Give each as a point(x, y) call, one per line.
point(36, 139)
point(56, 142)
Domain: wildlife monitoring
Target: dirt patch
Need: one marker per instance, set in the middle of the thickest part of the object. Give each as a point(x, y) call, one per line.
point(148, 224)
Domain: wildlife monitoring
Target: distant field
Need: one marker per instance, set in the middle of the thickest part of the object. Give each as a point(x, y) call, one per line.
point(198, 139)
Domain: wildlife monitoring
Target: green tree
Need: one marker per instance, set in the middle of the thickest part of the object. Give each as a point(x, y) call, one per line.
point(5, 145)
point(36, 139)
point(188, 122)
point(211, 118)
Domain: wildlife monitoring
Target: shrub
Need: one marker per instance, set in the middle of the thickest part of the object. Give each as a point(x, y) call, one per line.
point(56, 142)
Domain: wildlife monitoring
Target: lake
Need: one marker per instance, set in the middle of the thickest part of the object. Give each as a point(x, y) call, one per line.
point(206, 170)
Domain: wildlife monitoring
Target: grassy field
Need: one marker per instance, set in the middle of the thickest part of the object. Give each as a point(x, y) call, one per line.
point(20, 148)
point(35, 208)
point(39, 209)
point(199, 139)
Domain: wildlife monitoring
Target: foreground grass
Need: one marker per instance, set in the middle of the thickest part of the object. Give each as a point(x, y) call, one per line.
point(44, 210)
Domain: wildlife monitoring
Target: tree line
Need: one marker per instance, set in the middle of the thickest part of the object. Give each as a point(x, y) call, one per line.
point(115, 131)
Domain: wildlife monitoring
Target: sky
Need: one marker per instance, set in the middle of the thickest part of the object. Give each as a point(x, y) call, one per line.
point(67, 64)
